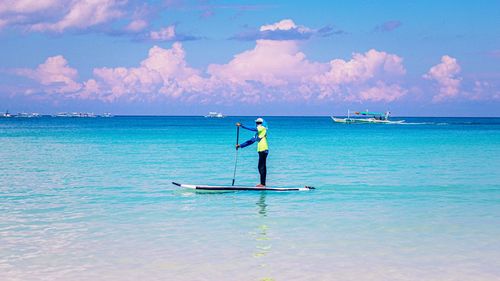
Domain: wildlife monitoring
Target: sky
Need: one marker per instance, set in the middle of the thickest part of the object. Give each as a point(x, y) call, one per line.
point(174, 57)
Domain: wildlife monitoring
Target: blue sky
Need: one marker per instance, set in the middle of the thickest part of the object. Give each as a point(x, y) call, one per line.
point(250, 57)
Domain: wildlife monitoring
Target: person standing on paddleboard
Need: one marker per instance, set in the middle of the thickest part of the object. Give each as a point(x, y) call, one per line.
point(262, 148)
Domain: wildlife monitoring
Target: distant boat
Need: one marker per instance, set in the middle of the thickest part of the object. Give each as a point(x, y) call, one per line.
point(86, 114)
point(6, 114)
point(214, 115)
point(75, 114)
point(62, 114)
point(367, 117)
point(27, 115)
point(107, 115)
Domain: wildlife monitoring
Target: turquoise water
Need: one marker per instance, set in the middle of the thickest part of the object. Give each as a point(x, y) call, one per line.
point(91, 199)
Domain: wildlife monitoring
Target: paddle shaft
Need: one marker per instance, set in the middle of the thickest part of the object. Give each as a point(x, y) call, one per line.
point(236, 154)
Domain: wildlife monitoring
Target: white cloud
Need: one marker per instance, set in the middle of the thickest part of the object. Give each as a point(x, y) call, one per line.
point(55, 74)
point(359, 78)
point(445, 74)
point(285, 24)
point(283, 30)
point(26, 6)
point(164, 34)
point(271, 63)
point(381, 92)
point(136, 25)
point(58, 15)
point(281, 69)
point(163, 73)
point(362, 67)
point(484, 90)
point(83, 14)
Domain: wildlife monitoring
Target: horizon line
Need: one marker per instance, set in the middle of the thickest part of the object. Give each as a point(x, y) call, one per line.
point(298, 116)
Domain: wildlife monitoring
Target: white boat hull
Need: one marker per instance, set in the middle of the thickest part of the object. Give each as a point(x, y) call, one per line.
point(365, 120)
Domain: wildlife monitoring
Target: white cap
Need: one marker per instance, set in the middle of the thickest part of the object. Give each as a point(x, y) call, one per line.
point(259, 120)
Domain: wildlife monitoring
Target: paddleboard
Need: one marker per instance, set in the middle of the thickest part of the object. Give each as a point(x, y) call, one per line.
point(248, 188)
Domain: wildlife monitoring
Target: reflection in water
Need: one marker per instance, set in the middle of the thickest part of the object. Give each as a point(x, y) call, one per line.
point(262, 204)
point(261, 236)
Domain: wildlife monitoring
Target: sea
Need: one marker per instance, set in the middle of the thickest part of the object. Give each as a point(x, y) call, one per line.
point(93, 199)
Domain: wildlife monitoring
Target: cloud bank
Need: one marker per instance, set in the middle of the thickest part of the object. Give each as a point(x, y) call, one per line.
point(273, 70)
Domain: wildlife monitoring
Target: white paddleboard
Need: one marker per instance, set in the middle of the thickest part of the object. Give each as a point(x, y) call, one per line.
point(247, 188)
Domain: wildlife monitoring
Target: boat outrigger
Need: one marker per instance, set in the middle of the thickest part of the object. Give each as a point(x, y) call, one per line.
point(367, 117)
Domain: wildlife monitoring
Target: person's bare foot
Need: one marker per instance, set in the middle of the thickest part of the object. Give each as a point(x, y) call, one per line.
point(260, 185)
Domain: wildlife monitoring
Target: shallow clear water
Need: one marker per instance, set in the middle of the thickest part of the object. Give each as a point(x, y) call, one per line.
point(91, 199)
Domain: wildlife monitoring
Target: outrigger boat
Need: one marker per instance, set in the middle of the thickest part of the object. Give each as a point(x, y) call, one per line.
point(215, 115)
point(367, 117)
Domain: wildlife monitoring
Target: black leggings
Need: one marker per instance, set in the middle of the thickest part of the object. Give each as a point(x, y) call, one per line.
point(262, 166)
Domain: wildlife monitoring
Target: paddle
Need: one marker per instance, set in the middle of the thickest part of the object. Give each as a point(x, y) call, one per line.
point(236, 155)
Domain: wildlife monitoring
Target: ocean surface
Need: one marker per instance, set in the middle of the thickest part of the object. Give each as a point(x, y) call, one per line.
point(92, 199)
